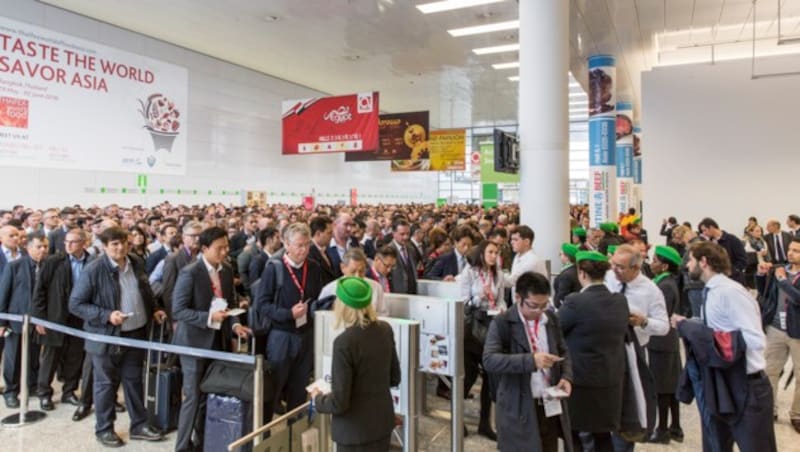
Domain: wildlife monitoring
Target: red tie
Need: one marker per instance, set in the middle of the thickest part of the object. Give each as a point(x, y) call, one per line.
point(216, 285)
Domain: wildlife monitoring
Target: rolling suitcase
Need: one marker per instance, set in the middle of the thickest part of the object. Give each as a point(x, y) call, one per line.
point(227, 419)
point(162, 389)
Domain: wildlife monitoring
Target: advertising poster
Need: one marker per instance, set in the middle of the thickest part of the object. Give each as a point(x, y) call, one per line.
point(624, 157)
point(70, 103)
point(434, 354)
point(448, 150)
point(399, 134)
point(487, 174)
point(602, 152)
point(323, 125)
point(637, 167)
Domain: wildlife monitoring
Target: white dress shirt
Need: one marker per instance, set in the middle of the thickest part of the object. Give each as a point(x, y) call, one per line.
point(523, 263)
point(644, 297)
point(471, 288)
point(730, 307)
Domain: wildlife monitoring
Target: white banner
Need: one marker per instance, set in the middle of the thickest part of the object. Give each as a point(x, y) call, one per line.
point(70, 103)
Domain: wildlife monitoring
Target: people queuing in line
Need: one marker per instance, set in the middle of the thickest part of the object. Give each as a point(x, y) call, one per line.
point(117, 271)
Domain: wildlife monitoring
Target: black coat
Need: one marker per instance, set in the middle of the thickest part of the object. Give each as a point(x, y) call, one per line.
point(507, 356)
point(365, 366)
point(51, 296)
point(768, 291)
point(445, 265)
point(327, 272)
point(736, 253)
point(154, 258)
point(56, 240)
point(565, 283)
point(665, 359)
point(173, 264)
point(786, 239)
point(191, 302)
point(404, 274)
point(594, 323)
point(16, 290)
point(97, 295)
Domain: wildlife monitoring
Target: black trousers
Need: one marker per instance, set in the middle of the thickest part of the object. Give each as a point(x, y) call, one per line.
point(12, 364)
point(755, 431)
point(473, 355)
point(68, 358)
point(193, 408)
point(549, 429)
point(292, 358)
point(87, 378)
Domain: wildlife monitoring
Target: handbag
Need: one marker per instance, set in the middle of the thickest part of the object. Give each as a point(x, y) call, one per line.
point(476, 323)
point(235, 380)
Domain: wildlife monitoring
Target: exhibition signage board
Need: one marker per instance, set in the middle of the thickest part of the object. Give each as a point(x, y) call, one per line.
point(445, 150)
point(602, 122)
point(624, 156)
point(399, 135)
point(331, 124)
point(71, 103)
point(488, 174)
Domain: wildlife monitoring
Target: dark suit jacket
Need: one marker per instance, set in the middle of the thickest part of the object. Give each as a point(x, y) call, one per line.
point(97, 295)
point(565, 283)
point(191, 302)
point(56, 240)
point(172, 267)
point(365, 366)
point(336, 261)
point(51, 296)
point(238, 242)
point(736, 253)
point(404, 274)
point(16, 290)
point(769, 289)
point(153, 259)
point(257, 264)
point(445, 265)
point(369, 248)
point(786, 238)
point(327, 272)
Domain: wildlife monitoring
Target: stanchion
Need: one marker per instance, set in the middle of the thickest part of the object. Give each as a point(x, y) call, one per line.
point(24, 416)
point(258, 397)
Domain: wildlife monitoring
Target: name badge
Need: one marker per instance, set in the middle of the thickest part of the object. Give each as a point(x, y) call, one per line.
point(783, 320)
point(492, 312)
point(552, 407)
point(300, 321)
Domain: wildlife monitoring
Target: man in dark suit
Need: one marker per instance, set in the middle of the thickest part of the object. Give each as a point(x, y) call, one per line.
point(371, 235)
point(321, 232)
point(450, 264)
point(777, 242)
point(404, 274)
point(180, 258)
point(793, 223)
point(16, 290)
point(199, 284)
point(56, 238)
point(246, 236)
point(168, 231)
point(58, 275)
point(9, 245)
point(269, 240)
point(113, 298)
point(340, 241)
point(735, 248)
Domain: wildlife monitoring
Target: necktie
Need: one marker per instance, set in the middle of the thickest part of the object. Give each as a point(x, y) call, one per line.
point(216, 285)
point(460, 263)
point(404, 254)
point(779, 249)
point(622, 289)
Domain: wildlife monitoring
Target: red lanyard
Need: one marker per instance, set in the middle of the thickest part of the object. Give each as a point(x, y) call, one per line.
point(300, 287)
point(533, 333)
point(487, 288)
point(384, 283)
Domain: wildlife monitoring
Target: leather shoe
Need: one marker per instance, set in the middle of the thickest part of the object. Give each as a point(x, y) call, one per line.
point(109, 439)
point(147, 433)
point(81, 412)
point(70, 398)
point(12, 401)
point(488, 433)
point(796, 425)
point(46, 404)
point(676, 434)
point(119, 408)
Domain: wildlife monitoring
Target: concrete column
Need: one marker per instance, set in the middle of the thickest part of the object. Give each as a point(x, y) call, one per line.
point(544, 124)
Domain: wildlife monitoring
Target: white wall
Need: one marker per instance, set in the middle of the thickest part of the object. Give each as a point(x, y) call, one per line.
point(233, 143)
point(716, 143)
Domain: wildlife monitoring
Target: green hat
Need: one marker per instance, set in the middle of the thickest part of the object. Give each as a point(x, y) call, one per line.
point(637, 220)
point(612, 249)
point(609, 227)
point(580, 232)
point(569, 249)
point(590, 256)
point(668, 253)
point(354, 292)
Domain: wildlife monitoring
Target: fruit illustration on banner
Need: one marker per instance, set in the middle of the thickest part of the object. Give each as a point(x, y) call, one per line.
point(161, 119)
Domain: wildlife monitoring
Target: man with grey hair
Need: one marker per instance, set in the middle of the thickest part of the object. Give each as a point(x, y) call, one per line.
point(284, 304)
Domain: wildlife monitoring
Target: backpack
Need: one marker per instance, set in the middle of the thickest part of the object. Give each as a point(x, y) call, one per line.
point(258, 323)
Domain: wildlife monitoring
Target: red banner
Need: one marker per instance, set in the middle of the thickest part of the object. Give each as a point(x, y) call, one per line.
point(331, 124)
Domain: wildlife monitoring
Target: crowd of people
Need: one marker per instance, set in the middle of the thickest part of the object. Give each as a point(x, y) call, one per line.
point(604, 373)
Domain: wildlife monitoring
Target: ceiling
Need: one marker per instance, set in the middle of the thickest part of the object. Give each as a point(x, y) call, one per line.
point(345, 46)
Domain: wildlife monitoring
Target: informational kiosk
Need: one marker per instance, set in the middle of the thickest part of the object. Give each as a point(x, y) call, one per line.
point(406, 337)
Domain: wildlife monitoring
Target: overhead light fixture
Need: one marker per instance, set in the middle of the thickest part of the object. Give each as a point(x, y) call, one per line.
point(488, 28)
point(496, 49)
point(512, 65)
point(514, 78)
point(449, 5)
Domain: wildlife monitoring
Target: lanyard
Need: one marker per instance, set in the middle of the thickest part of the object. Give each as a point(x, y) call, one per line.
point(533, 334)
point(487, 288)
point(384, 282)
point(300, 287)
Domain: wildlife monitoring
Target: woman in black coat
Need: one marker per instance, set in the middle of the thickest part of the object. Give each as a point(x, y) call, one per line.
point(594, 323)
point(567, 281)
point(664, 352)
point(365, 366)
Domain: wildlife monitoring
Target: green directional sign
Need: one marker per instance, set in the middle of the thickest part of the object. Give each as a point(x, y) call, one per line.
point(141, 180)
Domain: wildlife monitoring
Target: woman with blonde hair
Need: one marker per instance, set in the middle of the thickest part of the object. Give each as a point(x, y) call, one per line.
point(365, 366)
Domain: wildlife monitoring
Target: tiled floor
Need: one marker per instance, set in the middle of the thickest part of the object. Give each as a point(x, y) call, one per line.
point(58, 433)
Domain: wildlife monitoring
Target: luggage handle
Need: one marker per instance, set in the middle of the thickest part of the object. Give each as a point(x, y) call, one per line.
point(158, 369)
point(252, 344)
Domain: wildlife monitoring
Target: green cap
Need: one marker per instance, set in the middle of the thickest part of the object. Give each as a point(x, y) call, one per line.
point(668, 253)
point(637, 220)
point(569, 249)
point(609, 227)
point(612, 249)
point(354, 292)
point(580, 232)
point(590, 256)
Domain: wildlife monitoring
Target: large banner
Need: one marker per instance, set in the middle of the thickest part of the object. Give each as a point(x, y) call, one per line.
point(69, 103)
point(331, 124)
point(399, 134)
point(624, 157)
point(445, 150)
point(602, 153)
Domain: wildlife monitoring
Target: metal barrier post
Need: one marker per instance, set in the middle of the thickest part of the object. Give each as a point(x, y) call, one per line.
point(24, 416)
point(457, 388)
point(258, 397)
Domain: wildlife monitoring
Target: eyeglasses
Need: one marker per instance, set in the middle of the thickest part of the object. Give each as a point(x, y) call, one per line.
point(535, 307)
